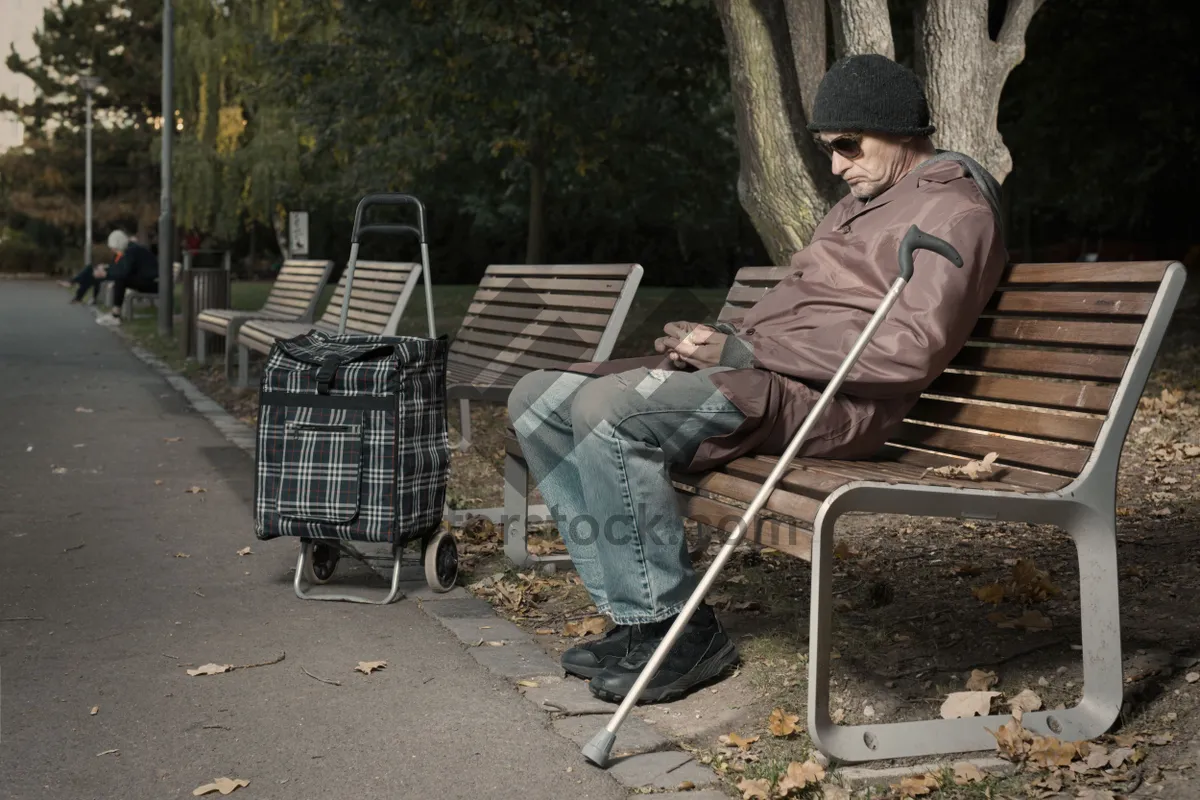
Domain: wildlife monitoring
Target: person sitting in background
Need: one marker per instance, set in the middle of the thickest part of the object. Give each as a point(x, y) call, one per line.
point(134, 267)
point(84, 280)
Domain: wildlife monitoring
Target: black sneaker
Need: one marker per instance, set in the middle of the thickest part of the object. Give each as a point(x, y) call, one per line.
point(591, 658)
point(701, 653)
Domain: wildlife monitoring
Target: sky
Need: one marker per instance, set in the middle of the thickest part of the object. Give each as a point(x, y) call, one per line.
point(21, 19)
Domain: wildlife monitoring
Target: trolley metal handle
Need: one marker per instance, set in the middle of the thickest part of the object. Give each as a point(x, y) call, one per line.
point(387, 199)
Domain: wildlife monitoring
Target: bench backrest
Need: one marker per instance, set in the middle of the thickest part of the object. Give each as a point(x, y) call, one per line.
point(524, 318)
point(297, 288)
point(1058, 359)
point(374, 298)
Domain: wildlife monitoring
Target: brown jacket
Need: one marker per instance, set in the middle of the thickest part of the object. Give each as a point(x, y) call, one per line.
point(802, 329)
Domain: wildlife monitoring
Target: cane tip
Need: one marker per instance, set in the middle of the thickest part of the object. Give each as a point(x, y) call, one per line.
point(596, 751)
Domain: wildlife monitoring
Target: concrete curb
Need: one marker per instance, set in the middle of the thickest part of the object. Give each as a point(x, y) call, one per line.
point(642, 757)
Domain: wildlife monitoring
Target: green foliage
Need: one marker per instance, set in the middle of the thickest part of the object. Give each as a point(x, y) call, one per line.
point(19, 254)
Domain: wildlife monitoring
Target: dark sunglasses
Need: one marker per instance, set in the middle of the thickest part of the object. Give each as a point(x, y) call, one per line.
point(848, 146)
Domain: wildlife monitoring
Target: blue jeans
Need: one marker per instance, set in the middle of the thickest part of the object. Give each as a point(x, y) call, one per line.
point(600, 450)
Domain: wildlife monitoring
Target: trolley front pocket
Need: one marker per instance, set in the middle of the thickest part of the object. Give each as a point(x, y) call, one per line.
point(321, 471)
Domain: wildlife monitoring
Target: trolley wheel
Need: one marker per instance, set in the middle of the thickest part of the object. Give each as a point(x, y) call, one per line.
point(322, 561)
point(441, 561)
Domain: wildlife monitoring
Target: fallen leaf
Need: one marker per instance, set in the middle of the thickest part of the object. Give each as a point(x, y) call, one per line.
point(967, 704)
point(173, 439)
point(838, 716)
point(113, 752)
point(210, 669)
point(1030, 621)
point(1051, 783)
point(491, 643)
point(82, 410)
point(1095, 794)
point(1051, 752)
point(685, 786)
point(1118, 756)
point(965, 772)
point(915, 786)
point(182, 555)
point(831, 792)
point(759, 789)
point(842, 550)
point(798, 776)
point(1097, 757)
point(1191, 451)
point(530, 684)
point(544, 631)
point(195, 490)
point(1161, 512)
point(367, 667)
point(1024, 702)
point(245, 551)
point(158, 483)
point(585, 627)
point(992, 593)
point(972, 470)
point(968, 570)
point(1033, 583)
point(222, 785)
point(95, 710)
point(733, 740)
point(1160, 739)
point(59, 470)
point(981, 681)
point(1192, 677)
point(781, 723)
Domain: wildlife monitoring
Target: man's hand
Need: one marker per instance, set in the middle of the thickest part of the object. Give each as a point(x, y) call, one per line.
point(691, 343)
point(99, 272)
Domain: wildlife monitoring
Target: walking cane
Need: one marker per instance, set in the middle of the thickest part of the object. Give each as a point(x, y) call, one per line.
point(597, 750)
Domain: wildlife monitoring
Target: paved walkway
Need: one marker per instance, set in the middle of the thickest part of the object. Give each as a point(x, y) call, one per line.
point(94, 515)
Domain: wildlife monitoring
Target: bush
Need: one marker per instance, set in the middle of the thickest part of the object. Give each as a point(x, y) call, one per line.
point(18, 254)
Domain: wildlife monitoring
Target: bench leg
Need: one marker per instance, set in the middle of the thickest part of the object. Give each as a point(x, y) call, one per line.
point(243, 377)
point(516, 516)
point(464, 426)
point(127, 307)
point(1095, 540)
point(201, 346)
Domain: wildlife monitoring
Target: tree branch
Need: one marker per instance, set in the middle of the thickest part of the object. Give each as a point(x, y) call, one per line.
point(806, 26)
point(1016, 22)
point(862, 26)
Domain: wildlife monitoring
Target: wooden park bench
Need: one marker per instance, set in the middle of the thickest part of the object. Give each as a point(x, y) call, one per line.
point(377, 301)
point(1049, 381)
point(525, 318)
point(293, 298)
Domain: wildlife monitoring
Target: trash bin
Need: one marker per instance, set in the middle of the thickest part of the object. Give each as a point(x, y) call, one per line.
point(202, 287)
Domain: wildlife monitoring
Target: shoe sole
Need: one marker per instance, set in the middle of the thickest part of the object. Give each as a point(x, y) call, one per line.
point(587, 673)
point(702, 673)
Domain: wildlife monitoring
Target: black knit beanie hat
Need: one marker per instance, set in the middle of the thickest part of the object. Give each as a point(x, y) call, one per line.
point(871, 93)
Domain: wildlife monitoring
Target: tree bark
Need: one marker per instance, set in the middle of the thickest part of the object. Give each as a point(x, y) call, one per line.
point(806, 27)
point(782, 183)
point(965, 72)
point(862, 26)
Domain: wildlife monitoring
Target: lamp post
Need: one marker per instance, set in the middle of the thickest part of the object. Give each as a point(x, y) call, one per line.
point(166, 288)
point(89, 84)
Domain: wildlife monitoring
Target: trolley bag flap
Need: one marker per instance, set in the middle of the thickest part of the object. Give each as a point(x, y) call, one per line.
point(328, 354)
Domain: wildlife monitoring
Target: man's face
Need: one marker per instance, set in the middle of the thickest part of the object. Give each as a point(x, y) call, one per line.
point(869, 163)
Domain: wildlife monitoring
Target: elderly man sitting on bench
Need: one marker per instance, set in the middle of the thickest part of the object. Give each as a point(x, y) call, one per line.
point(601, 439)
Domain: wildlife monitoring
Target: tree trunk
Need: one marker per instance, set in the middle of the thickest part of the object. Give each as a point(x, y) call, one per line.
point(535, 245)
point(862, 26)
point(279, 226)
point(782, 182)
point(965, 72)
point(806, 26)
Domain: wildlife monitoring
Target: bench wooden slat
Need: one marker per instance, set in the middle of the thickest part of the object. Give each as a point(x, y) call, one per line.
point(1029, 391)
point(1057, 332)
point(497, 359)
point(1043, 362)
point(1125, 304)
point(531, 314)
point(513, 298)
point(564, 285)
point(1038, 455)
point(551, 349)
point(768, 275)
point(1016, 476)
point(1024, 421)
point(1085, 272)
point(564, 270)
point(784, 502)
point(564, 333)
point(789, 538)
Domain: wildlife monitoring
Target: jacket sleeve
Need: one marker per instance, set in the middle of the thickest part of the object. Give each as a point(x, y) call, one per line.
point(930, 322)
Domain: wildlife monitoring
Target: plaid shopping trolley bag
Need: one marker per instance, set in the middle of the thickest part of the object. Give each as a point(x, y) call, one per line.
point(352, 447)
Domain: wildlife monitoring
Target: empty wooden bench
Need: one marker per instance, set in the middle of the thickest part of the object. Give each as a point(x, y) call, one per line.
point(377, 301)
point(1049, 381)
point(293, 298)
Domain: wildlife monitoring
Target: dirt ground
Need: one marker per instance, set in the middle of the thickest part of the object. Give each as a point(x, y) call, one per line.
point(921, 604)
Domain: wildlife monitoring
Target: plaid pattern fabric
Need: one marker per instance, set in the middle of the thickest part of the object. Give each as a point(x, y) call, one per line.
point(368, 460)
